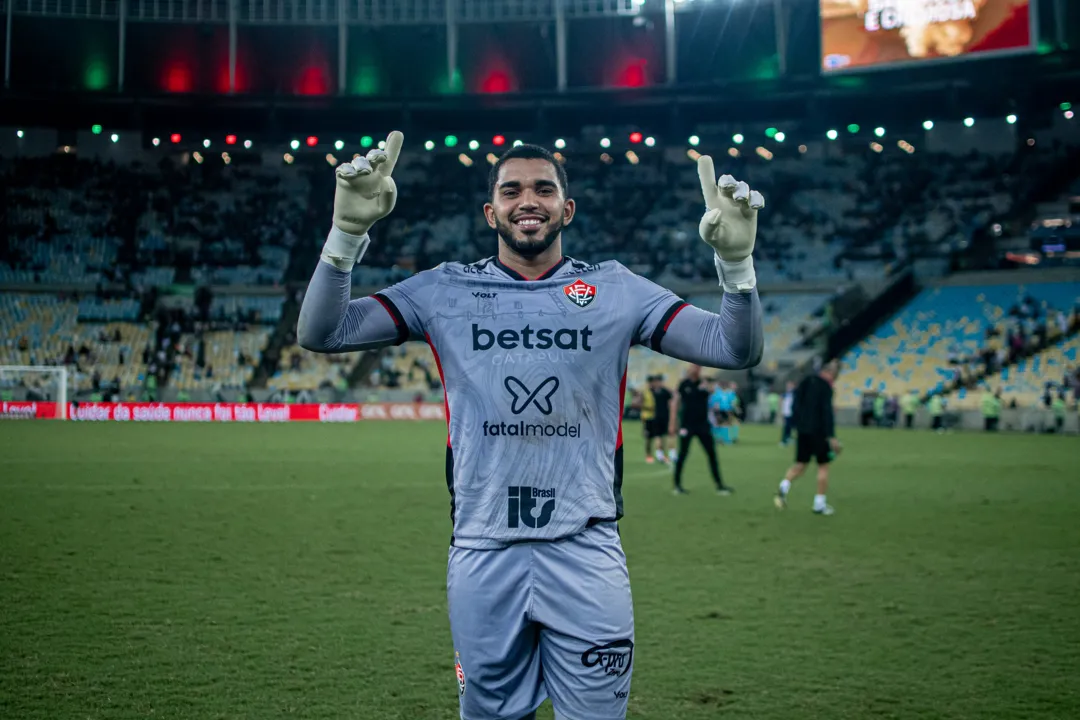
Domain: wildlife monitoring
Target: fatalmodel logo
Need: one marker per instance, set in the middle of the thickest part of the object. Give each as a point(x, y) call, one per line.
point(522, 397)
point(521, 502)
point(530, 338)
point(528, 429)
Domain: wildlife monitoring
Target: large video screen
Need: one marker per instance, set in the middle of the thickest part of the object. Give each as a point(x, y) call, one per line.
point(870, 34)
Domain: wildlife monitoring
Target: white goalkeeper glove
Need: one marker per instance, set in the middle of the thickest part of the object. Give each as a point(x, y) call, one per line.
point(365, 194)
point(729, 225)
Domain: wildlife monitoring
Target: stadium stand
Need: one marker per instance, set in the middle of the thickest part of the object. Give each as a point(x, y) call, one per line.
point(945, 334)
point(228, 359)
point(1032, 380)
point(301, 369)
point(89, 336)
point(137, 238)
point(622, 216)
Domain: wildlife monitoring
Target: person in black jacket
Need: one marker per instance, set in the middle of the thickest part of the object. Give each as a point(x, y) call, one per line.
point(690, 408)
point(815, 425)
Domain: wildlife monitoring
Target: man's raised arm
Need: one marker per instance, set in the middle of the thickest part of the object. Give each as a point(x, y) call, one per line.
point(329, 321)
point(732, 339)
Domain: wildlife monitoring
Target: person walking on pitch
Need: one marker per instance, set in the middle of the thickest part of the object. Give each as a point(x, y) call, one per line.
point(691, 411)
point(816, 430)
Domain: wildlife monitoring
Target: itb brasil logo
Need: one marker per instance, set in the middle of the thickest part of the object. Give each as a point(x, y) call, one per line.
point(521, 501)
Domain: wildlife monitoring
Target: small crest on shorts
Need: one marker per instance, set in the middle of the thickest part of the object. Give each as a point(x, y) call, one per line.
point(580, 293)
point(460, 673)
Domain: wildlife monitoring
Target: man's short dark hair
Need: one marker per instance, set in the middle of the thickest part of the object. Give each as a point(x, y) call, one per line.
point(526, 152)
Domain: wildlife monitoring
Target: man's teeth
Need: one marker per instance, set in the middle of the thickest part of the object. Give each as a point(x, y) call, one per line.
point(528, 221)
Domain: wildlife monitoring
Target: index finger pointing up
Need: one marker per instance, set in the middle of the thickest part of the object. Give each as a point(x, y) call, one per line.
point(393, 149)
point(707, 175)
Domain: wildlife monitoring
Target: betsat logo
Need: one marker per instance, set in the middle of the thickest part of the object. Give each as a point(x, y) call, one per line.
point(532, 339)
point(521, 502)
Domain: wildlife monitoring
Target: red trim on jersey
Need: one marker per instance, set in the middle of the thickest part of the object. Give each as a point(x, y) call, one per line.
point(396, 316)
point(445, 393)
point(674, 315)
point(622, 400)
point(382, 301)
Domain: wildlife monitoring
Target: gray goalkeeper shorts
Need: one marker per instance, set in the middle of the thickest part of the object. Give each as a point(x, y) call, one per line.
point(543, 620)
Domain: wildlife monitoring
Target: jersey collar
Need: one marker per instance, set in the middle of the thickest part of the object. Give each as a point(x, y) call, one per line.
point(515, 275)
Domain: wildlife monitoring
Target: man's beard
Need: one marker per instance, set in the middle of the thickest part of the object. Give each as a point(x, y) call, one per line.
point(531, 246)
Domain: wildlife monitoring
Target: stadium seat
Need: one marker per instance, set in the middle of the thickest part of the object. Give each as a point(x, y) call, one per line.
point(912, 351)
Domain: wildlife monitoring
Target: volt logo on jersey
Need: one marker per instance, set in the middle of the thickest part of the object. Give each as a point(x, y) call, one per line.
point(580, 293)
point(521, 502)
point(522, 397)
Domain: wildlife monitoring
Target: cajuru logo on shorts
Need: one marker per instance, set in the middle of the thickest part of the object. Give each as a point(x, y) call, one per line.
point(614, 658)
point(521, 502)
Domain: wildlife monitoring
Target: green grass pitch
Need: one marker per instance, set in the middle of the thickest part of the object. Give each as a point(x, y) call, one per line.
point(298, 571)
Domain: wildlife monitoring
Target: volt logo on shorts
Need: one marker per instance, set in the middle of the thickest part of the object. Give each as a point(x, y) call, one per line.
point(615, 658)
point(521, 502)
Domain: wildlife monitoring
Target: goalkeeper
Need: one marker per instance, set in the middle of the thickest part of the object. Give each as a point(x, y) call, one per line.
point(539, 595)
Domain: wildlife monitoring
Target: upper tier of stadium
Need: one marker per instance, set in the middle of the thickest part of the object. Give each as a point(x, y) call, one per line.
point(192, 270)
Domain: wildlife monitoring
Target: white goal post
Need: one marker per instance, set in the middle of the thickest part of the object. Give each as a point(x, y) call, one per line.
point(53, 381)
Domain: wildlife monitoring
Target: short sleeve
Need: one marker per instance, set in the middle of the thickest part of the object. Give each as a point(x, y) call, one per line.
point(408, 303)
point(656, 308)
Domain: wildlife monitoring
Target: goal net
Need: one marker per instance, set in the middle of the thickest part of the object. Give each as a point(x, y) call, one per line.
point(32, 391)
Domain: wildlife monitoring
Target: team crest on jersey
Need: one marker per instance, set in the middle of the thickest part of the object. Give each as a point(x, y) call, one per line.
point(580, 293)
point(460, 673)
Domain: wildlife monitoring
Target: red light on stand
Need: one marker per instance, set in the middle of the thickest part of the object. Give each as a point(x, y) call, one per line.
point(174, 138)
point(633, 75)
point(496, 82)
point(635, 137)
point(230, 139)
point(312, 141)
point(498, 140)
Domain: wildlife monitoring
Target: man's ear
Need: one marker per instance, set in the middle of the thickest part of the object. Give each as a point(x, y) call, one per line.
point(489, 215)
point(568, 211)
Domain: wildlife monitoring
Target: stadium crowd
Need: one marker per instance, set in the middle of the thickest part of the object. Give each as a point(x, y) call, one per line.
point(174, 275)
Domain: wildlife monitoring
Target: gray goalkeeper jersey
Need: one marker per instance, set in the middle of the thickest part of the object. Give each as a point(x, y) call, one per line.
point(534, 373)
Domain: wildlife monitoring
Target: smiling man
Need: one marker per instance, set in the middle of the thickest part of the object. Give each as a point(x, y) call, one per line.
point(532, 347)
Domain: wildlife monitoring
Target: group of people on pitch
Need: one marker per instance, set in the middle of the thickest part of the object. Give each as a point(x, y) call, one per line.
point(709, 410)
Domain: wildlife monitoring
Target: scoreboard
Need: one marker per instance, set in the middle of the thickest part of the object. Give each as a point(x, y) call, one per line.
point(874, 34)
